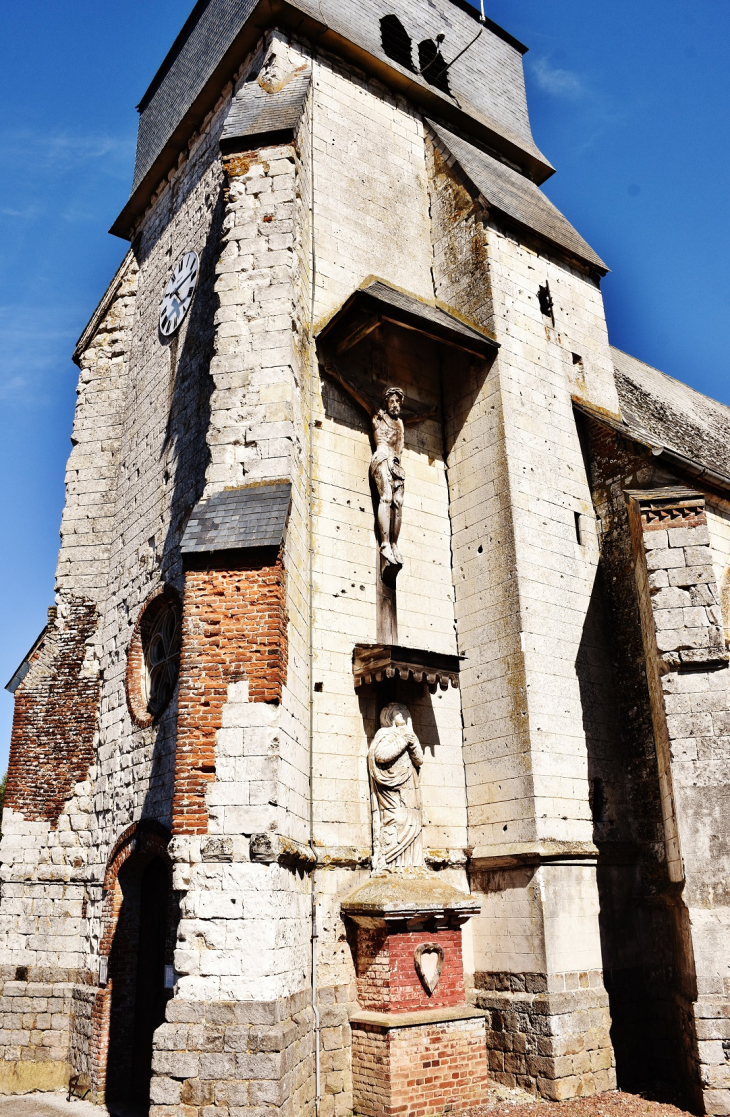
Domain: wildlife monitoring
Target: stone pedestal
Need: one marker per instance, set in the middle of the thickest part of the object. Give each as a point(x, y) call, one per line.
point(417, 1047)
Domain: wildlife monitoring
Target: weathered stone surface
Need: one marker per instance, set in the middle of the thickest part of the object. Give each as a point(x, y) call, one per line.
point(570, 800)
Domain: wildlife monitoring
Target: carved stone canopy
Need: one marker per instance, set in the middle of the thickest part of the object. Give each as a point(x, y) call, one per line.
point(414, 899)
point(377, 302)
point(371, 663)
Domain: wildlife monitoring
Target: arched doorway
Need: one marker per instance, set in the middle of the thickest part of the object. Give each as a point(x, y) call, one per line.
point(140, 949)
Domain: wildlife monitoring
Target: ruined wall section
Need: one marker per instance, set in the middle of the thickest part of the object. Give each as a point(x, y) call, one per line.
point(163, 458)
point(666, 993)
point(47, 840)
point(134, 474)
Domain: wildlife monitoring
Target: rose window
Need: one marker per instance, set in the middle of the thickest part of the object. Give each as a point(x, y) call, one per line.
point(154, 658)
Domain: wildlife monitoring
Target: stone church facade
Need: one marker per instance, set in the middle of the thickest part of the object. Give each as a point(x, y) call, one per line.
point(378, 740)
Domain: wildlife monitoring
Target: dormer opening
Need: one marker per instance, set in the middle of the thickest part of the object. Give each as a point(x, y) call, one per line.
point(396, 41)
point(433, 64)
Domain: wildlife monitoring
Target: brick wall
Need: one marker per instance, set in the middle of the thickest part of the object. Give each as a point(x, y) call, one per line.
point(51, 747)
point(387, 979)
point(420, 1071)
point(234, 627)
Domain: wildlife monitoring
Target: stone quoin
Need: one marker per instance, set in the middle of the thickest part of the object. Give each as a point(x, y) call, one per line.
point(377, 745)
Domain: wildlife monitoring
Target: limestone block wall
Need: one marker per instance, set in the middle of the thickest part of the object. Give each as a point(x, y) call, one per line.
point(244, 929)
point(525, 571)
point(367, 213)
point(234, 1056)
point(346, 567)
point(717, 510)
point(688, 680)
point(554, 537)
point(649, 954)
point(370, 205)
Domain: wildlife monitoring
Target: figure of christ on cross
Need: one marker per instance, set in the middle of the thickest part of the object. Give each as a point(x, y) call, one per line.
point(386, 467)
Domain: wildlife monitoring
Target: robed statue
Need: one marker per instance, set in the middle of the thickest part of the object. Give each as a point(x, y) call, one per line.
point(395, 757)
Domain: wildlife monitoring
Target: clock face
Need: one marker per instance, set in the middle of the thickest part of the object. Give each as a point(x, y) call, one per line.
point(179, 293)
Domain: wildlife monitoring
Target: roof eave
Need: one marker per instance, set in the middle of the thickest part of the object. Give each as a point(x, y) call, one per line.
point(469, 337)
point(19, 674)
point(696, 470)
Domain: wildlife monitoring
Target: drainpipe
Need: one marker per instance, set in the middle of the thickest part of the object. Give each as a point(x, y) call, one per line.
point(310, 510)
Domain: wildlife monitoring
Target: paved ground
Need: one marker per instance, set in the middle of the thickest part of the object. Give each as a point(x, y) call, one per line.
point(46, 1105)
point(53, 1105)
point(502, 1103)
point(513, 1103)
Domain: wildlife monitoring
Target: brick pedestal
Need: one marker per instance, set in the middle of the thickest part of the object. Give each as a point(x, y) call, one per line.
point(418, 1049)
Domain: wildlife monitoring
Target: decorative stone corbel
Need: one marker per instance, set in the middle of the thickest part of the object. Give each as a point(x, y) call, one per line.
point(270, 848)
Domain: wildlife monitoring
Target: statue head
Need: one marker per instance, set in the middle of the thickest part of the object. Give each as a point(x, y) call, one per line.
point(395, 713)
point(393, 401)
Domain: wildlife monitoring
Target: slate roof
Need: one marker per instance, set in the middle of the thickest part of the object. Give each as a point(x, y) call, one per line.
point(255, 112)
point(486, 80)
point(665, 412)
point(207, 34)
point(406, 309)
point(252, 516)
point(514, 195)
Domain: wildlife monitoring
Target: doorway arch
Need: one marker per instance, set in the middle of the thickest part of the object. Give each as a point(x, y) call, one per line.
point(138, 945)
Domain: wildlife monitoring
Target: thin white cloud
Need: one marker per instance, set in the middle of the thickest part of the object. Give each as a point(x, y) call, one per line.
point(33, 345)
point(28, 211)
point(63, 151)
point(561, 83)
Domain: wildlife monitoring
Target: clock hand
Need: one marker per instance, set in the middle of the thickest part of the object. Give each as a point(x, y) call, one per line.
point(187, 278)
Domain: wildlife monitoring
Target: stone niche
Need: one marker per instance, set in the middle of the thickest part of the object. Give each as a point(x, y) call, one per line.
point(417, 1046)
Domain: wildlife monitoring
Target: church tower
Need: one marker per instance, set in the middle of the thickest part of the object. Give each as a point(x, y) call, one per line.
point(365, 756)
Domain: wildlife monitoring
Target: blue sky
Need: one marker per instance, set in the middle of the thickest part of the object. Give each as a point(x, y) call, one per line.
point(629, 101)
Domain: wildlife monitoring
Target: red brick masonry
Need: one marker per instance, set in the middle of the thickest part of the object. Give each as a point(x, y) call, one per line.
point(387, 980)
point(421, 1071)
point(420, 1065)
point(234, 627)
point(52, 743)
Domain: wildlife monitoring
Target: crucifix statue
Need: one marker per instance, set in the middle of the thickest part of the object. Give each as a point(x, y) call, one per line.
point(386, 466)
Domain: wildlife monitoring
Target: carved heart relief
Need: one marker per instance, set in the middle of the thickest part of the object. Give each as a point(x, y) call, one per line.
point(429, 962)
